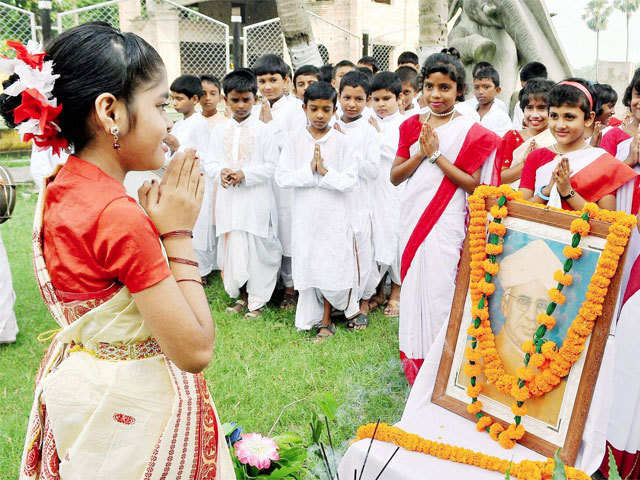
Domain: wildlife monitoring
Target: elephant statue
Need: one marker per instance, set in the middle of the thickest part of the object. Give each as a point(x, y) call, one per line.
point(508, 34)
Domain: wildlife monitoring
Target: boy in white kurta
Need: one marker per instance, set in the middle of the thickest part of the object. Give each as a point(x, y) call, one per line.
point(243, 162)
point(193, 131)
point(385, 92)
point(285, 114)
point(486, 87)
point(317, 165)
point(365, 143)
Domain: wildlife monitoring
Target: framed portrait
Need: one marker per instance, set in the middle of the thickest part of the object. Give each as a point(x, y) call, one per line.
point(532, 252)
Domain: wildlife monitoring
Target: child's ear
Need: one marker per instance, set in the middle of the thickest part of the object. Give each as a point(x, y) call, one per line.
point(498, 89)
point(590, 119)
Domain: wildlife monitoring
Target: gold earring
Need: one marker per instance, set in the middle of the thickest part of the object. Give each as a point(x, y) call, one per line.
point(115, 131)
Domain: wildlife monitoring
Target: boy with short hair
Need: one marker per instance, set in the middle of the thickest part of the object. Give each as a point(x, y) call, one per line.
point(385, 98)
point(210, 99)
point(369, 62)
point(243, 163)
point(318, 166)
point(410, 89)
point(340, 70)
point(409, 59)
point(326, 73)
point(193, 131)
point(486, 87)
point(529, 71)
point(365, 141)
point(287, 116)
point(304, 76)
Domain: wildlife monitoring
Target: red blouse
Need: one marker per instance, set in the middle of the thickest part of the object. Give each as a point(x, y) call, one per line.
point(612, 138)
point(511, 140)
point(409, 134)
point(95, 236)
point(534, 161)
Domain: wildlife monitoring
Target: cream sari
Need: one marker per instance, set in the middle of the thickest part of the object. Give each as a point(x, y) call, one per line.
point(109, 405)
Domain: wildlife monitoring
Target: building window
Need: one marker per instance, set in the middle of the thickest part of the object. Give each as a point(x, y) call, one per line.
point(382, 53)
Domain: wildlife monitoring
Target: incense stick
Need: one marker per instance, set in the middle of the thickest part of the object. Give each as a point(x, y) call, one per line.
point(369, 449)
point(388, 461)
point(333, 450)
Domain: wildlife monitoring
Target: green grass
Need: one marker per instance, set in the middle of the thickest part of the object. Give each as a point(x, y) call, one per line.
point(258, 367)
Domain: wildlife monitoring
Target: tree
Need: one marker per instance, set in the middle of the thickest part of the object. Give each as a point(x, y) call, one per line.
point(596, 15)
point(298, 35)
point(433, 16)
point(628, 7)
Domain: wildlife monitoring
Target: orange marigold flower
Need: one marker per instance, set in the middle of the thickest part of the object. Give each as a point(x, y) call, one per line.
point(516, 432)
point(519, 411)
point(474, 391)
point(480, 256)
point(549, 349)
point(486, 287)
point(477, 220)
point(499, 212)
point(492, 249)
point(497, 228)
point(475, 407)
point(484, 422)
point(505, 441)
point(617, 239)
point(525, 373)
point(473, 355)
point(547, 320)
point(472, 370)
point(481, 313)
point(528, 347)
point(572, 252)
point(580, 226)
point(495, 430)
point(536, 360)
point(490, 267)
point(591, 208)
point(528, 470)
point(520, 394)
point(556, 296)
point(563, 278)
point(551, 378)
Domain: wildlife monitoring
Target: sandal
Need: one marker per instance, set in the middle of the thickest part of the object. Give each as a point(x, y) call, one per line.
point(253, 315)
point(360, 320)
point(325, 331)
point(392, 309)
point(237, 307)
point(289, 301)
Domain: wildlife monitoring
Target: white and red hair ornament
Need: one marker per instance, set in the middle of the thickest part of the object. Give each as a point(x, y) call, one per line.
point(35, 116)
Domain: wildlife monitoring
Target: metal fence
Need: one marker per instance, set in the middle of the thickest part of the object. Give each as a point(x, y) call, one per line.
point(262, 38)
point(16, 24)
point(335, 42)
point(106, 12)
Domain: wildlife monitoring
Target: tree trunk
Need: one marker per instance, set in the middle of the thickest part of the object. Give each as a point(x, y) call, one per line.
point(597, 52)
point(627, 54)
point(298, 34)
point(433, 16)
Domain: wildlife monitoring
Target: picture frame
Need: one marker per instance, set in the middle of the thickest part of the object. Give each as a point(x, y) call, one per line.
point(560, 422)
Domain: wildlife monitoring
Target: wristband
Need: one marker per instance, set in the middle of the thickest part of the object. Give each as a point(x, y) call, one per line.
point(177, 233)
point(184, 261)
point(542, 195)
point(571, 194)
point(432, 159)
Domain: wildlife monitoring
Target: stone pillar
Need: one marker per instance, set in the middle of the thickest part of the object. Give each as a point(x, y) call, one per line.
point(128, 11)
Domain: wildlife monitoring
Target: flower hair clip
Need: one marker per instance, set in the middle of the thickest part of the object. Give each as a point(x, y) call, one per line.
point(36, 114)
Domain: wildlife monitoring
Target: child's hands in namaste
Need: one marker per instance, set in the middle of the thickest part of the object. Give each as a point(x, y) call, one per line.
point(634, 152)
point(597, 135)
point(317, 164)
point(226, 177)
point(562, 177)
point(374, 122)
point(428, 140)
point(172, 142)
point(265, 111)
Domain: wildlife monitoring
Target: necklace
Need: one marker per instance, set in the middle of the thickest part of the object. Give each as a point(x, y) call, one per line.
point(445, 114)
point(554, 148)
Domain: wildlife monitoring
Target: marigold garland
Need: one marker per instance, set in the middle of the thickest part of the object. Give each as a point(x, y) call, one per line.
point(524, 470)
point(551, 362)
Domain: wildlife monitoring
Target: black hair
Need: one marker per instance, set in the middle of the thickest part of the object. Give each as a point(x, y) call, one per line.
point(326, 73)
point(289, 71)
point(479, 66)
point(211, 79)
point(387, 81)
point(367, 71)
point(340, 64)
point(356, 79)
point(634, 85)
point(306, 70)
point(241, 80)
point(92, 59)
point(408, 75)
point(533, 70)
point(447, 65)
point(536, 88)
point(573, 97)
point(451, 51)
point(320, 91)
point(408, 57)
point(188, 85)
point(488, 73)
point(606, 95)
point(369, 60)
point(270, 64)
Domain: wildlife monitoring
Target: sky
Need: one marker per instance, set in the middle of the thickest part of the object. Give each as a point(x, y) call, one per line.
point(579, 42)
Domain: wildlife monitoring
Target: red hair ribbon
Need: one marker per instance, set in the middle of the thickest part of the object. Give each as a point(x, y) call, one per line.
point(583, 89)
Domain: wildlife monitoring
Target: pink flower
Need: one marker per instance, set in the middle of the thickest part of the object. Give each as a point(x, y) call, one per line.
point(256, 450)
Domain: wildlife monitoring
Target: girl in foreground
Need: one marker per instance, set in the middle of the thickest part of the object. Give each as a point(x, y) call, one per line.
point(440, 156)
point(119, 394)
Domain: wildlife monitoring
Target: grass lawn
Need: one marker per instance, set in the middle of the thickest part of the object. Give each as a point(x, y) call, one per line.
point(258, 367)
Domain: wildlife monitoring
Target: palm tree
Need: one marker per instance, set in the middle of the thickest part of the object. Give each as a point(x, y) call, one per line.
point(628, 7)
point(596, 15)
point(433, 16)
point(298, 35)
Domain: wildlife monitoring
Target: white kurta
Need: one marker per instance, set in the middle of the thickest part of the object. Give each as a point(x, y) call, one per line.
point(249, 251)
point(386, 199)
point(518, 117)
point(195, 132)
point(496, 120)
point(429, 284)
point(8, 324)
point(365, 147)
point(323, 244)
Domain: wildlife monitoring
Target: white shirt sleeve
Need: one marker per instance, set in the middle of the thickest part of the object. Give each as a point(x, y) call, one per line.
point(293, 173)
point(263, 168)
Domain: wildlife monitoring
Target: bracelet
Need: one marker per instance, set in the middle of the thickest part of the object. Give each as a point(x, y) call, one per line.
point(177, 233)
point(542, 195)
point(199, 282)
point(184, 261)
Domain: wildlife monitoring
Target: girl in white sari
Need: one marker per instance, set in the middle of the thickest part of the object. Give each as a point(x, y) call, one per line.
point(120, 393)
